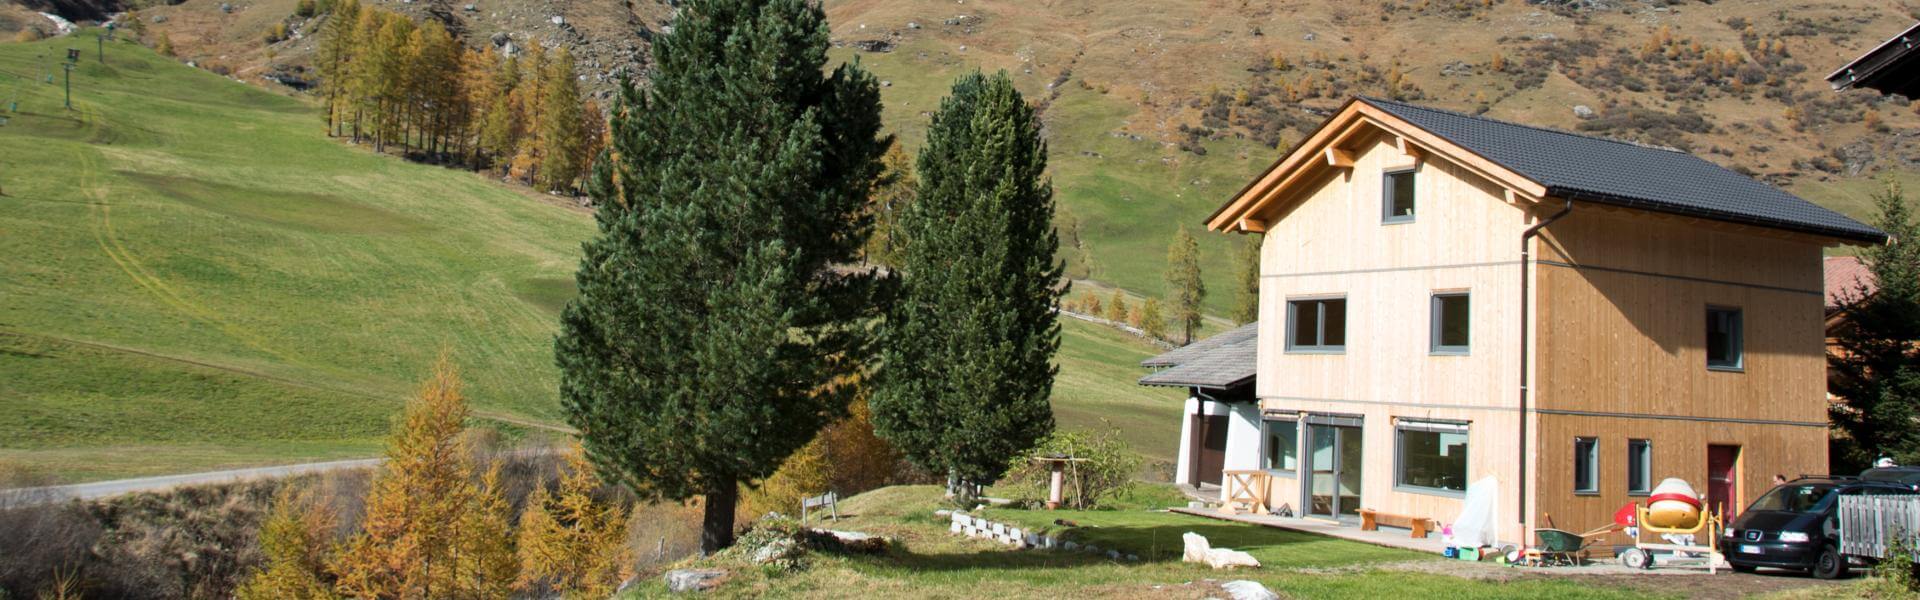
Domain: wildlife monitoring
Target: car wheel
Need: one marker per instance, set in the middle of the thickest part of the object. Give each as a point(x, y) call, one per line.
point(1635, 558)
point(1830, 565)
point(1740, 568)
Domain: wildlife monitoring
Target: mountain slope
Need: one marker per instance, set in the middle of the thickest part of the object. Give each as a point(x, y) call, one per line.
point(197, 278)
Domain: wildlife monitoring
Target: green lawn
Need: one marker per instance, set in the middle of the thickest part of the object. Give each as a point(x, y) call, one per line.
point(938, 564)
point(196, 277)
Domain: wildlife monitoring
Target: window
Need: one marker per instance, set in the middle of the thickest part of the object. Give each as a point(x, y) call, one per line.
point(1450, 318)
point(1317, 325)
point(1724, 338)
point(1639, 466)
point(1432, 456)
point(1283, 447)
point(1397, 197)
point(1586, 465)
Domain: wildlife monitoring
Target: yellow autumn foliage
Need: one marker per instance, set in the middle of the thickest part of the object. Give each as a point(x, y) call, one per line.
point(572, 542)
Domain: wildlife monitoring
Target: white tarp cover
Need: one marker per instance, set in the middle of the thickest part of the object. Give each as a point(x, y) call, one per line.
point(1476, 526)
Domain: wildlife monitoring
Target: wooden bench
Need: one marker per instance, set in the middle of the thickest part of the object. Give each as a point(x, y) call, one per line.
point(1371, 520)
point(829, 500)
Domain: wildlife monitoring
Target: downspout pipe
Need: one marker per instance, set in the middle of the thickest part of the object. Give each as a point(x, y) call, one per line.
point(1526, 343)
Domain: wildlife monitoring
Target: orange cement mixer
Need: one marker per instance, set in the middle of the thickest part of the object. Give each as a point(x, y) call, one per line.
point(1673, 505)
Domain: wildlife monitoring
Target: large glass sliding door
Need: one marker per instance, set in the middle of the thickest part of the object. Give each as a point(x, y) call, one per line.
point(1333, 468)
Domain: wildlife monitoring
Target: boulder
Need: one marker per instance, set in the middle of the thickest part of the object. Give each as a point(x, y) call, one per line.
point(779, 549)
point(1198, 550)
point(851, 541)
point(1222, 558)
point(1248, 590)
point(681, 581)
point(1583, 111)
point(1196, 547)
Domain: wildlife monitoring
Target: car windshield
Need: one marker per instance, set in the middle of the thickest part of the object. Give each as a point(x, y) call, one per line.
point(1801, 497)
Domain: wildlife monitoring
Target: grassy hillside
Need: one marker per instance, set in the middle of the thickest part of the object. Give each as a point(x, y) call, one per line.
point(196, 277)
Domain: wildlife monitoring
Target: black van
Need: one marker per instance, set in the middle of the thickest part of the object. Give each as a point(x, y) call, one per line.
point(1796, 526)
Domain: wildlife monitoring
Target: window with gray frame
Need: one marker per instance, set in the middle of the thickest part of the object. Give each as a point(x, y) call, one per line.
point(1639, 466)
point(1283, 447)
point(1586, 465)
point(1724, 338)
point(1317, 325)
point(1431, 456)
point(1396, 202)
point(1450, 323)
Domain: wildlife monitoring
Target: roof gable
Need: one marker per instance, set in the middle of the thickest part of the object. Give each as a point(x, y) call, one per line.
point(1536, 163)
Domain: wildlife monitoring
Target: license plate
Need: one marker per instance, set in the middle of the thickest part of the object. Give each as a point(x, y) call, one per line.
point(1747, 549)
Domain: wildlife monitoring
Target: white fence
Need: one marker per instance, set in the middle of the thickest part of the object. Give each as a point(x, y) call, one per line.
point(1870, 524)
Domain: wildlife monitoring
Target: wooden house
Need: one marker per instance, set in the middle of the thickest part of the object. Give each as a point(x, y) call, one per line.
point(1447, 298)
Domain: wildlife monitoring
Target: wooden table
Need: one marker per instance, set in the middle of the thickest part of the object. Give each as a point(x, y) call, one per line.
point(1249, 486)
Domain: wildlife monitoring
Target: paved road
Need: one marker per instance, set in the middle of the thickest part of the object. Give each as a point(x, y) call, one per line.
point(106, 489)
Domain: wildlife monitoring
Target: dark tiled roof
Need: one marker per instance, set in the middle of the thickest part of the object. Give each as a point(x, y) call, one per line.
point(1219, 362)
point(1591, 169)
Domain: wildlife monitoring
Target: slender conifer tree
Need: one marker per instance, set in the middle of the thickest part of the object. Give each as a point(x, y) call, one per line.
point(968, 353)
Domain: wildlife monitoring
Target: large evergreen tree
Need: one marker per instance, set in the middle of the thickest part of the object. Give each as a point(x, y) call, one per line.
point(968, 346)
point(1877, 370)
point(1184, 284)
point(716, 307)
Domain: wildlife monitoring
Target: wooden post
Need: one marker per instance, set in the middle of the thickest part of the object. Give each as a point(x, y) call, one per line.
point(1054, 492)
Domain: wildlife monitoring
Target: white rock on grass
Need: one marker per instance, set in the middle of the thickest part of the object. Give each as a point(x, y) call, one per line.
point(1248, 590)
point(693, 580)
point(1198, 550)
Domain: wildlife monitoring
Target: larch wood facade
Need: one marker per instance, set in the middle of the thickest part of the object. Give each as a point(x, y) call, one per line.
point(1614, 310)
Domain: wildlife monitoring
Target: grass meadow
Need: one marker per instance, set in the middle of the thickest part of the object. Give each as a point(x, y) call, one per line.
point(196, 277)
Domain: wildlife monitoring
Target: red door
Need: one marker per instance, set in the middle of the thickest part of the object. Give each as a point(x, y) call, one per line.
point(1212, 458)
point(1723, 481)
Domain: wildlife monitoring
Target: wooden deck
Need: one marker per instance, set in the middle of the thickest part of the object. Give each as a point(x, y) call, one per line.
point(1388, 537)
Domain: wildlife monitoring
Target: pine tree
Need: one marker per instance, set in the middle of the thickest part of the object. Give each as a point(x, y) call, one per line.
point(1246, 289)
point(406, 544)
point(1877, 370)
point(888, 201)
point(165, 46)
point(968, 348)
point(1152, 320)
point(1117, 306)
point(336, 49)
point(293, 538)
point(1184, 283)
point(573, 542)
point(714, 305)
point(562, 125)
point(484, 542)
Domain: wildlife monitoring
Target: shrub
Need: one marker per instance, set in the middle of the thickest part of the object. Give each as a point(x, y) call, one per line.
point(1894, 577)
point(574, 541)
point(294, 540)
point(28, 35)
point(276, 33)
point(1105, 471)
point(305, 9)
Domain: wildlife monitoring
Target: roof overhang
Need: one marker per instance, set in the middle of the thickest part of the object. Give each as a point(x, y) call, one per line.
point(1328, 150)
point(1893, 67)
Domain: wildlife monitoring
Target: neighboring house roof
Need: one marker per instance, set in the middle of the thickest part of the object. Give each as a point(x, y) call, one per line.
point(1223, 361)
point(1540, 163)
point(1845, 276)
point(1893, 67)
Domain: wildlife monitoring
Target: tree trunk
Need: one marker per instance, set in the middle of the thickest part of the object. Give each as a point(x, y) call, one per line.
point(716, 528)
